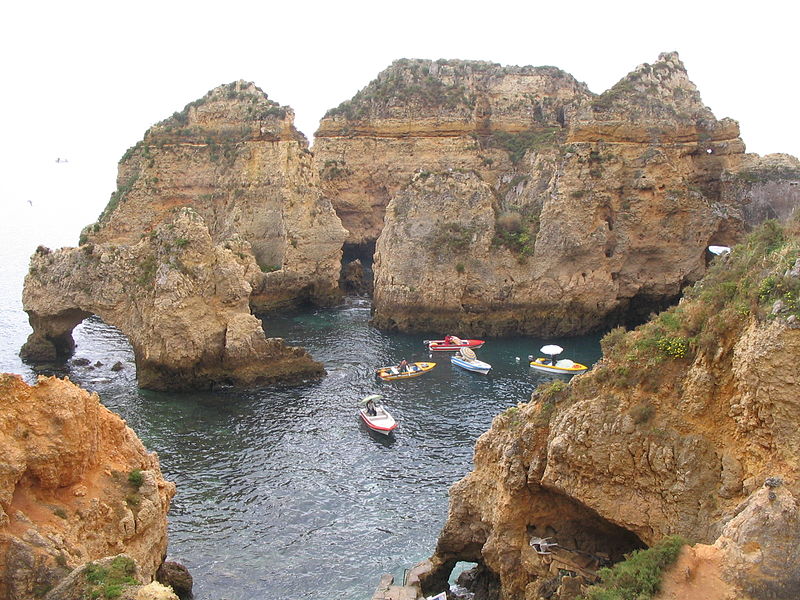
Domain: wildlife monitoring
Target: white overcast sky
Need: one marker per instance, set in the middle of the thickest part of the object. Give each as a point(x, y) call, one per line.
point(84, 80)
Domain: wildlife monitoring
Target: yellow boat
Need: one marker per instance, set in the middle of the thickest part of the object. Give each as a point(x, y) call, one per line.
point(551, 365)
point(564, 365)
point(411, 370)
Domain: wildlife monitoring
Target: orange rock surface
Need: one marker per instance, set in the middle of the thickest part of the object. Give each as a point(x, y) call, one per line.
point(65, 494)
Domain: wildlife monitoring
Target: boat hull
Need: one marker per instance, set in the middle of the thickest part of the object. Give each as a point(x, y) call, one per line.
point(541, 364)
point(382, 423)
point(475, 366)
point(417, 369)
point(441, 346)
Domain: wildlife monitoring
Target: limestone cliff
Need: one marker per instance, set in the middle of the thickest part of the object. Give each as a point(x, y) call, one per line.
point(182, 300)
point(688, 425)
point(218, 211)
point(76, 485)
point(766, 187)
point(235, 157)
point(433, 116)
point(593, 207)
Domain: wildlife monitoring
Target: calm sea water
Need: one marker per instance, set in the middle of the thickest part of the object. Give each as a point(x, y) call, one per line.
point(282, 492)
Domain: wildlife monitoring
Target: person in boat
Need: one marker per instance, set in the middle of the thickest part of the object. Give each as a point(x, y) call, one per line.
point(448, 339)
point(371, 408)
point(403, 366)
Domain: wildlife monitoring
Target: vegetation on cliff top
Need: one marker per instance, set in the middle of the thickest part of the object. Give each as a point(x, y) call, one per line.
point(441, 83)
point(777, 173)
point(643, 87)
point(405, 82)
point(759, 279)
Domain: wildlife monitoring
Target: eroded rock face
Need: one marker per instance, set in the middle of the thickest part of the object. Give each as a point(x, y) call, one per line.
point(182, 300)
point(218, 210)
point(704, 446)
point(593, 207)
point(235, 157)
point(65, 494)
point(421, 115)
point(767, 187)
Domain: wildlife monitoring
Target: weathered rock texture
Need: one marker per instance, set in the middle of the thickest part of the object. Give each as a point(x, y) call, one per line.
point(766, 187)
point(689, 425)
point(235, 157)
point(182, 300)
point(218, 211)
point(433, 116)
point(591, 207)
point(65, 495)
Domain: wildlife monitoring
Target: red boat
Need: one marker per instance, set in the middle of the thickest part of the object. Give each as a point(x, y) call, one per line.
point(453, 344)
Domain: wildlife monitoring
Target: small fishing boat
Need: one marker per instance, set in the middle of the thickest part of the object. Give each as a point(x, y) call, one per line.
point(414, 369)
point(466, 359)
point(376, 417)
point(452, 344)
point(551, 365)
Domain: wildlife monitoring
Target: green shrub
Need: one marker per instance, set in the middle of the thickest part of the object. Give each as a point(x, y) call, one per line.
point(674, 347)
point(453, 237)
point(638, 577)
point(108, 582)
point(136, 478)
point(514, 231)
point(517, 144)
point(612, 340)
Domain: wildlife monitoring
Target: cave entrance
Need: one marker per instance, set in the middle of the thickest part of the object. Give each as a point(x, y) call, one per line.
point(461, 578)
point(355, 278)
point(641, 306)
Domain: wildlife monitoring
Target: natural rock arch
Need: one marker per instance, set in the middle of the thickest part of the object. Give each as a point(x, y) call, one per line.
point(181, 299)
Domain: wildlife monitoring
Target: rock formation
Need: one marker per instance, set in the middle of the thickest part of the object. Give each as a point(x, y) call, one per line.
point(182, 300)
point(421, 115)
point(235, 157)
point(592, 207)
point(765, 187)
point(76, 485)
point(218, 210)
point(688, 425)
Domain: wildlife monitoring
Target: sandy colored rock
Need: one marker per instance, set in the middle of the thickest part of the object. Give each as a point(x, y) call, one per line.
point(218, 210)
point(655, 440)
point(234, 157)
point(59, 439)
point(594, 208)
point(182, 299)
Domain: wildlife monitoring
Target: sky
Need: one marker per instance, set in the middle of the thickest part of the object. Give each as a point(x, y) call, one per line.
point(83, 80)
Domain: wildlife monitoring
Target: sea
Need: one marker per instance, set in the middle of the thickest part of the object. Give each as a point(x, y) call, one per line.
point(282, 492)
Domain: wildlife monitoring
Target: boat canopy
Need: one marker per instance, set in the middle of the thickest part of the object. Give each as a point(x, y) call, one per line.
point(552, 349)
point(373, 398)
point(467, 353)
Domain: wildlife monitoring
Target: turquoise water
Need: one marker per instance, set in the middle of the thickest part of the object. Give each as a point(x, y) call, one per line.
point(282, 492)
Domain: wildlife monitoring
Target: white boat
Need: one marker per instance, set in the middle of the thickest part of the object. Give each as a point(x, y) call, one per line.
point(551, 365)
point(466, 359)
point(376, 417)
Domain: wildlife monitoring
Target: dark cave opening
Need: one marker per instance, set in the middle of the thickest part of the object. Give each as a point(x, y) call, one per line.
point(355, 278)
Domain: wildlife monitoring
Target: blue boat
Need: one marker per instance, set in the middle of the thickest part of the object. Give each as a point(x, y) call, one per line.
point(466, 360)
